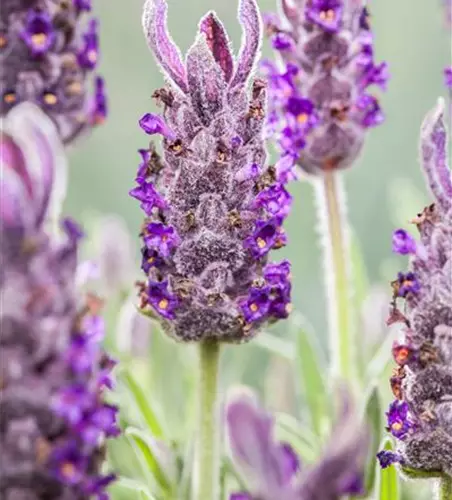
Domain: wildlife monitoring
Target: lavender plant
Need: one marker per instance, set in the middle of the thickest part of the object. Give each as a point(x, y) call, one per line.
point(214, 210)
point(53, 414)
point(320, 110)
point(273, 470)
point(421, 416)
point(47, 55)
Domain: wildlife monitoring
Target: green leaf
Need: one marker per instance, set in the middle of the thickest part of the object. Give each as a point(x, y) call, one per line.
point(310, 367)
point(125, 488)
point(275, 345)
point(146, 452)
point(374, 422)
point(147, 413)
point(388, 481)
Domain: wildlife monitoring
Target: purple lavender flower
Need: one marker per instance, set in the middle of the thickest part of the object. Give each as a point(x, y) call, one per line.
point(47, 58)
point(53, 371)
point(421, 419)
point(214, 210)
point(448, 77)
point(320, 107)
point(272, 469)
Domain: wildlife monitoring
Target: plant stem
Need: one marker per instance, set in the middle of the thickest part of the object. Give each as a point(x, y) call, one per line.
point(208, 442)
point(445, 489)
point(337, 260)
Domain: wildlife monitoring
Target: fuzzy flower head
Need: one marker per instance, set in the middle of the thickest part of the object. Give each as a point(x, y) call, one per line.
point(213, 209)
point(272, 469)
point(53, 371)
point(320, 105)
point(421, 416)
point(47, 55)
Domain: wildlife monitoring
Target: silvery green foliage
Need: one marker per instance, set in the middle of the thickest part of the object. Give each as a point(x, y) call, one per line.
point(421, 417)
point(214, 210)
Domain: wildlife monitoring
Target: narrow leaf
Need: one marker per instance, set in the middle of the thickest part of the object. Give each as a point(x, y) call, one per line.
point(143, 404)
point(373, 418)
point(310, 366)
point(145, 450)
point(275, 345)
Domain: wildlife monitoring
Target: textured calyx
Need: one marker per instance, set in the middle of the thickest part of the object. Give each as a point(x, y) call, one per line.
point(214, 211)
point(421, 416)
point(47, 57)
point(320, 107)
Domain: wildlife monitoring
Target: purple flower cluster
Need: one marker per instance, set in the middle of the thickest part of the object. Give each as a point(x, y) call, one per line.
point(273, 470)
point(46, 56)
point(213, 209)
point(320, 106)
point(421, 416)
point(53, 417)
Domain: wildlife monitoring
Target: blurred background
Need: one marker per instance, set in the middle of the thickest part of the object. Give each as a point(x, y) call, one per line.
point(385, 188)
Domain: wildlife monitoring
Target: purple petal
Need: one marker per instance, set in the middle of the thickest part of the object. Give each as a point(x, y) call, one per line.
point(43, 159)
point(218, 42)
point(154, 124)
point(240, 496)
point(206, 82)
point(159, 41)
point(433, 146)
point(251, 22)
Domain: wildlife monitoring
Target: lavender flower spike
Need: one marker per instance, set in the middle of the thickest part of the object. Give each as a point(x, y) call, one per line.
point(421, 416)
point(53, 371)
point(272, 469)
point(213, 209)
point(320, 107)
point(47, 56)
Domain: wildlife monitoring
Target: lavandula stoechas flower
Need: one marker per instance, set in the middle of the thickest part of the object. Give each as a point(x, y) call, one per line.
point(320, 106)
point(53, 418)
point(47, 56)
point(214, 210)
point(273, 470)
point(421, 416)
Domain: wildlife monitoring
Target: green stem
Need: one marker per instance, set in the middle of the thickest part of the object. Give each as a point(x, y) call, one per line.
point(445, 489)
point(208, 445)
point(337, 260)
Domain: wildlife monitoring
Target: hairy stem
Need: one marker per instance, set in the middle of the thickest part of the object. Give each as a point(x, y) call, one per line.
point(445, 489)
point(208, 442)
point(336, 267)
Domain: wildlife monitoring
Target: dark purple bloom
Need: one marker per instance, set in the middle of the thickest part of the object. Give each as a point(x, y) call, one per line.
point(403, 243)
point(325, 13)
point(38, 33)
point(51, 331)
point(220, 207)
point(100, 105)
point(83, 4)
point(399, 423)
point(149, 197)
point(406, 283)
point(388, 458)
point(266, 236)
point(161, 299)
point(48, 58)
point(275, 200)
point(154, 124)
point(150, 259)
point(161, 238)
point(89, 55)
point(255, 306)
point(319, 108)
